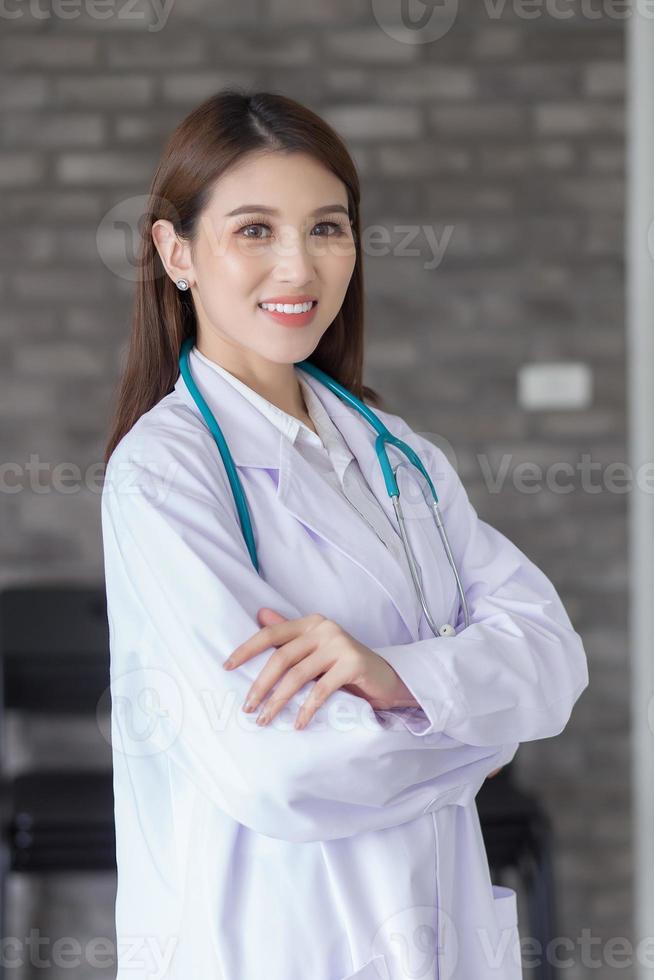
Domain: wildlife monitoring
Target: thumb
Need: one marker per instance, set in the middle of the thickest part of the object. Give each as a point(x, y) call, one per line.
point(268, 617)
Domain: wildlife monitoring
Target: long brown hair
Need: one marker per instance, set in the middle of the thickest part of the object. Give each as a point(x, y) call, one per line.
point(211, 139)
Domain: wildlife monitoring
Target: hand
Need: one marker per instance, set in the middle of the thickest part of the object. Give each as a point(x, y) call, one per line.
point(314, 646)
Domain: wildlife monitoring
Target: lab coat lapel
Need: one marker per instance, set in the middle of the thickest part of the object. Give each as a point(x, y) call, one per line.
point(302, 491)
point(255, 442)
point(433, 568)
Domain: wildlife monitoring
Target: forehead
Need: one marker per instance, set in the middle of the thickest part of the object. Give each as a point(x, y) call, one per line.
point(293, 183)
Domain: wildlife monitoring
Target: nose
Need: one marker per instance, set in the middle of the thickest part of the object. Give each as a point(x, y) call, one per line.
point(295, 259)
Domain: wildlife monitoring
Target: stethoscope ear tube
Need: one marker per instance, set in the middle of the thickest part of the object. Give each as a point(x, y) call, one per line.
point(223, 448)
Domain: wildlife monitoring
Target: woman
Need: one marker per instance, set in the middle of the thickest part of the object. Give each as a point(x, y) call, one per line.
point(349, 847)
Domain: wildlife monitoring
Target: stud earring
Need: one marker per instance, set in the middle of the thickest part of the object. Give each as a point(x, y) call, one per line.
point(182, 284)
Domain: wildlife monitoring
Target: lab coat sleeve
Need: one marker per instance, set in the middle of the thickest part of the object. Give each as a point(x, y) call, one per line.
point(517, 670)
point(182, 593)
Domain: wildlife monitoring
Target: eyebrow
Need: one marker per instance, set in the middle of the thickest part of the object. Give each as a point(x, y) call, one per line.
point(246, 208)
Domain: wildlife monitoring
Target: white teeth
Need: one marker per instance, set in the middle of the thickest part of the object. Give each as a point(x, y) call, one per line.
point(287, 307)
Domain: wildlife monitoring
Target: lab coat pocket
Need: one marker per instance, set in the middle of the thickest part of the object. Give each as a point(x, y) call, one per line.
point(509, 953)
point(374, 969)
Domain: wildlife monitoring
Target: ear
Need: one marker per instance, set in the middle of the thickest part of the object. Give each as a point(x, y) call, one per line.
point(174, 253)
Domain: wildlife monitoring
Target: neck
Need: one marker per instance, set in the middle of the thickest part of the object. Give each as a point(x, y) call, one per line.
point(277, 383)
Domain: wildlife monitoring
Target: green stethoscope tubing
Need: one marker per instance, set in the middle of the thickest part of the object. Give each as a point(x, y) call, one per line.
point(384, 437)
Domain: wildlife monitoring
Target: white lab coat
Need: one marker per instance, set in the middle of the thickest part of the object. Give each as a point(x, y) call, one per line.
point(350, 849)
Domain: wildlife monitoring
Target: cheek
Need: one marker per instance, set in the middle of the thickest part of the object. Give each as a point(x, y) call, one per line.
point(229, 281)
point(342, 256)
point(338, 271)
point(240, 262)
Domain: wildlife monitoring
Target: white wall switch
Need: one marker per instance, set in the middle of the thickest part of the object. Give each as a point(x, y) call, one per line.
point(555, 385)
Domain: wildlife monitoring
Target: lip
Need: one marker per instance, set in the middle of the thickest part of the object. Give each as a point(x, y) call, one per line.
point(291, 319)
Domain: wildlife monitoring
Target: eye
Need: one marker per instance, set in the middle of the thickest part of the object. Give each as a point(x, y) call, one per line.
point(248, 223)
point(337, 226)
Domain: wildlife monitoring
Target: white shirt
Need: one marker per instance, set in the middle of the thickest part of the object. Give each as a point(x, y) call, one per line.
point(329, 454)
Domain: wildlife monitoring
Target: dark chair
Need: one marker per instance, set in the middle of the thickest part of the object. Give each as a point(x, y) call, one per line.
point(517, 834)
point(54, 646)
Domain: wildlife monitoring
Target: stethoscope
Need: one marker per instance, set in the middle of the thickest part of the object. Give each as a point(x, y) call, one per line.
point(383, 437)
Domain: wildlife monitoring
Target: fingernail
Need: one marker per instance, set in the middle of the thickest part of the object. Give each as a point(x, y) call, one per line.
point(250, 704)
point(228, 664)
point(263, 718)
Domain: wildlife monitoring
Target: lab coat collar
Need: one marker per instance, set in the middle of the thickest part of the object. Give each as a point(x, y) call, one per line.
point(254, 441)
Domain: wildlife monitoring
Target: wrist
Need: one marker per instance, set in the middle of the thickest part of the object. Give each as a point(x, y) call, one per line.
point(402, 696)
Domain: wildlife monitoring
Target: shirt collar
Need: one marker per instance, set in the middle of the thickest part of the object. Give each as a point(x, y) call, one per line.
point(287, 424)
point(291, 427)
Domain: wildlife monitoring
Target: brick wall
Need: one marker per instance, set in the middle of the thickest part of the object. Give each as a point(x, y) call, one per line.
point(502, 139)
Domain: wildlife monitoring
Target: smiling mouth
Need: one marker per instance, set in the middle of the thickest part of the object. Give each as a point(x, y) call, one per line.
point(314, 303)
point(301, 319)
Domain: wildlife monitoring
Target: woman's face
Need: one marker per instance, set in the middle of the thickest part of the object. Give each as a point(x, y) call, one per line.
point(302, 246)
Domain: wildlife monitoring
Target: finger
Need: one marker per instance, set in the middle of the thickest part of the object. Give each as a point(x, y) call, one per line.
point(331, 681)
point(311, 666)
point(267, 617)
point(284, 659)
point(317, 665)
point(274, 635)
